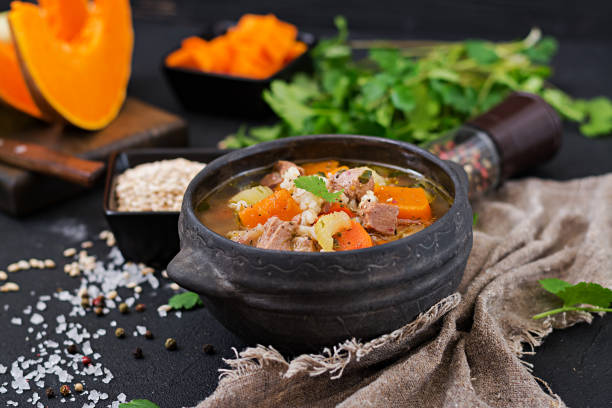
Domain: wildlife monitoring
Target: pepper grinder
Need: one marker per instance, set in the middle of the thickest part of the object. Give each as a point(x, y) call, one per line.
point(521, 132)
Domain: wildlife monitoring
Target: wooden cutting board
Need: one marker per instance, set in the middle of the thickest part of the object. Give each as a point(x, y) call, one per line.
point(138, 125)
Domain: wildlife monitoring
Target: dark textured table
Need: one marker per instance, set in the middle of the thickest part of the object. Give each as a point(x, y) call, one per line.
point(576, 362)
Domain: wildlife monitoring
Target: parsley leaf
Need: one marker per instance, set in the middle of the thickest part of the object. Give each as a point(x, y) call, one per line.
point(185, 300)
point(289, 101)
point(583, 293)
point(481, 52)
point(554, 285)
point(316, 186)
point(414, 93)
point(543, 51)
point(138, 403)
point(599, 112)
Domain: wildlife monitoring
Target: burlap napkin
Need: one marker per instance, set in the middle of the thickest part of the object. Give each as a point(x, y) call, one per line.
point(465, 351)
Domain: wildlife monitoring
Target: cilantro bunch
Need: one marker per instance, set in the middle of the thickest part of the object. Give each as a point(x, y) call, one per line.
point(414, 93)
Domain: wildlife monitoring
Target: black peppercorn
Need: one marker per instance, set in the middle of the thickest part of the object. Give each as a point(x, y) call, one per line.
point(140, 307)
point(72, 349)
point(208, 349)
point(50, 393)
point(170, 344)
point(148, 334)
point(137, 353)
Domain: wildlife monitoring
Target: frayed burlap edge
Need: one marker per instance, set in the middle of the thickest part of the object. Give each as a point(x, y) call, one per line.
point(332, 361)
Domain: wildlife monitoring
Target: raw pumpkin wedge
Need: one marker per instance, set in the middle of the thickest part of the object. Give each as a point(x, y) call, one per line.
point(66, 17)
point(84, 79)
point(13, 89)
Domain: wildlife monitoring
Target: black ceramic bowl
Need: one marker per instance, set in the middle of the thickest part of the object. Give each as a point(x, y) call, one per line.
point(226, 94)
point(302, 301)
point(148, 236)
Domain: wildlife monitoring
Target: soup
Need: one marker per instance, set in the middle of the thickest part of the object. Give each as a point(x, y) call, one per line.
point(323, 206)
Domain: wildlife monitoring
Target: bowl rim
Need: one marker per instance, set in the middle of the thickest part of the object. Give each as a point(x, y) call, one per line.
point(306, 37)
point(450, 168)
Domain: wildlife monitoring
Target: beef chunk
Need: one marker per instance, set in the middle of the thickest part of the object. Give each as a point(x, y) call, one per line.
point(303, 244)
point(277, 234)
point(381, 218)
point(355, 182)
point(408, 221)
point(274, 179)
point(271, 180)
point(282, 166)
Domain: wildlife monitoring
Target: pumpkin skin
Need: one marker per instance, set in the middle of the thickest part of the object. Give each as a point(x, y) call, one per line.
point(83, 80)
point(13, 89)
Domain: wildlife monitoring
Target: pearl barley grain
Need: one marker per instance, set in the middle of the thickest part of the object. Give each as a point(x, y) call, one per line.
point(3, 276)
point(156, 186)
point(9, 287)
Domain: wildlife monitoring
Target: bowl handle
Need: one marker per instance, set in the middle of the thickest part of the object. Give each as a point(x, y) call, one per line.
point(190, 271)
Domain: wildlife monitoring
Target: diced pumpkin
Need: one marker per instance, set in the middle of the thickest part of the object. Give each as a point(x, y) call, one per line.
point(329, 225)
point(336, 206)
point(356, 237)
point(320, 167)
point(412, 202)
point(280, 204)
point(298, 49)
point(257, 47)
point(83, 80)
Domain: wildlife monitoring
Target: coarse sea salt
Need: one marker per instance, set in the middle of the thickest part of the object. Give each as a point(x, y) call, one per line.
point(53, 363)
point(37, 319)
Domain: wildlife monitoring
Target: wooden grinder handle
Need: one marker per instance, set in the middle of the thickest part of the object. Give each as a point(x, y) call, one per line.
point(38, 158)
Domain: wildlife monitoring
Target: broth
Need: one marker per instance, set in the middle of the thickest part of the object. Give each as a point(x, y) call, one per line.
point(227, 219)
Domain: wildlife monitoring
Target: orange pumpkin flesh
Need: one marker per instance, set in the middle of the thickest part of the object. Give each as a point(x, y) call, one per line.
point(84, 80)
point(13, 89)
point(66, 17)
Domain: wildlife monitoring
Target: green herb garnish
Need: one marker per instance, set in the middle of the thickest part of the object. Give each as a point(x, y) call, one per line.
point(138, 403)
point(474, 219)
point(415, 93)
point(316, 186)
point(185, 300)
point(365, 176)
point(583, 293)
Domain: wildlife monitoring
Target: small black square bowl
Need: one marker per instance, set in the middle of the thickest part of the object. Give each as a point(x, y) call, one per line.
point(147, 236)
point(226, 94)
